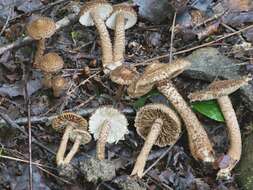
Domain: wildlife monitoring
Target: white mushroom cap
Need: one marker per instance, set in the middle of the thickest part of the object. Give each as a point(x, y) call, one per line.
point(101, 7)
point(116, 120)
point(127, 11)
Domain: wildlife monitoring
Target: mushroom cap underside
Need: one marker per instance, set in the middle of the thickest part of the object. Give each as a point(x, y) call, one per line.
point(128, 13)
point(85, 135)
point(123, 75)
point(116, 121)
point(158, 71)
point(100, 7)
point(41, 28)
point(69, 118)
point(218, 89)
point(51, 63)
point(171, 127)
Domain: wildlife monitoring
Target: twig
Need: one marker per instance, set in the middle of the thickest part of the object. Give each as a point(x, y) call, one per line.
point(45, 119)
point(146, 62)
point(7, 120)
point(6, 22)
point(172, 36)
point(67, 20)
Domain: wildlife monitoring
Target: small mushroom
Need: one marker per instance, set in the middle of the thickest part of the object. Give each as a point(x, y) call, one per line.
point(122, 18)
point(75, 129)
point(59, 85)
point(40, 29)
point(160, 126)
point(220, 90)
point(107, 125)
point(160, 74)
point(94, 13)
point(50, 63)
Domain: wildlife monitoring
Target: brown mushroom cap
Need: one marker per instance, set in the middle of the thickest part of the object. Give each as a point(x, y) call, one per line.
point(135, 91)
point(51, 63)
point(41, 28)
point(86, 137)
point(123, 75)
point(171, 127)
point(61, 121)
point(101, 7)
point(218, 89)
point(127, 11)
point(157, 71)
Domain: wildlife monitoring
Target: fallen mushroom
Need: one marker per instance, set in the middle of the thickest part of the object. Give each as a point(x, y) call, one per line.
point(122, 18)
point(107, 125)
point(40, 29)
point(220, 90)
point(75, 129)
point(94, 13)
point(160, 74)
point(59, 85)
point(160, 126)
point(50, 64)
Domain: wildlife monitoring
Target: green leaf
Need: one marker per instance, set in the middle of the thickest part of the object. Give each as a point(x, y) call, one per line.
point(210, 109)
point(142, 100)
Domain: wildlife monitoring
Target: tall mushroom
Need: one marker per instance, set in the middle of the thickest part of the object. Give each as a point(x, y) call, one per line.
point(107, 125)
point(160, 74)
point(50, 64)
point(94, 13)
point(160, 126)
point(40, 29)
point(122, 18)
point(75, 128)
point(220, 90)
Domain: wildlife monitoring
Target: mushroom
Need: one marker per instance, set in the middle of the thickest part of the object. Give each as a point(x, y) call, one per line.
point(40, 29)
point(75, 129)
point(122, 18)
point(160, 74)
point(50, 63)
point(107, 125)
point(59, 85)
point(159, 125)
point(94, 13)
point(220, 90)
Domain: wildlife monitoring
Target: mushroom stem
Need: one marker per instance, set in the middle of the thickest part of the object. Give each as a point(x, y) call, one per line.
point(39, 53)
point(149, 142)
point(106, 44)
point(199, 142)
point(47, 81)
point(73, 150)
point(235, 149)
point(103, 134)
point(119, 41)
point(63, 145)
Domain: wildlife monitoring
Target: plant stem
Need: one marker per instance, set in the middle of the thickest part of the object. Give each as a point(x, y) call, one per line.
point(200, 144)
point(104, 131)
point(235, 149)
point(107, 55)
point(149, 142)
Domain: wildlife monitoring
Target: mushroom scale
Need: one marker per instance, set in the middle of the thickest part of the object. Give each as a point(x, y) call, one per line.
point(157, 124)
point(51, 63)
point(107, 125)
point(220, 90)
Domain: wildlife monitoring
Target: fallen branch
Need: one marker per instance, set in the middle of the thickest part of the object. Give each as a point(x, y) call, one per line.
point(45, 119)
point(67, 20)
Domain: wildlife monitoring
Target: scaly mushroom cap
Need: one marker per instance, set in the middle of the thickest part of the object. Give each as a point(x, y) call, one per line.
point(59, 83)
point(41, 28)
point(116, 121)
point(218, 89)
point(61, 121)
point(127, 11)
point(171, 127)
point(123, 75)
point(135, 91)
point(51, 63)
point(157, 71)
point(86, 137)
point(101, 7)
